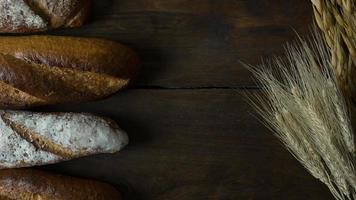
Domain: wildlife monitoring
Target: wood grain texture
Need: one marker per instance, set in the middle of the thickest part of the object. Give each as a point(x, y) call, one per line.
point(189, 143)
point(192, 145)
point(198, 43)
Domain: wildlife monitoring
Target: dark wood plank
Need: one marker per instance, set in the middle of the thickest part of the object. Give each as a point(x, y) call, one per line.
point(192, 145)
point(198, 43)
point(195, 144)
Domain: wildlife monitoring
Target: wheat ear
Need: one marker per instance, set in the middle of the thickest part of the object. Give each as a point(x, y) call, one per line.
point(337, 20)
point(302, 103)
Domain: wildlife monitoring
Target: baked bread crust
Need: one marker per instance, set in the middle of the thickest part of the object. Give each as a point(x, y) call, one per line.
point(23, 16)
point(42, 70)
point(29, 184)
point(31, 139)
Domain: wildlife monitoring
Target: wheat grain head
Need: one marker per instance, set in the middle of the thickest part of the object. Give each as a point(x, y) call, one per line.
point(302, 103)
point(337, 20)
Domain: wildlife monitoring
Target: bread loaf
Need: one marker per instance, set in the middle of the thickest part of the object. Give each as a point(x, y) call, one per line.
point(29, 184)
point(30, 139)
point(40, 70)
point(20, 16)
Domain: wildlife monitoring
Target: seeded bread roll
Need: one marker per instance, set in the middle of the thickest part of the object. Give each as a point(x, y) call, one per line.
point(42, 70)
point(20, 16)
point(30, 139)
point(29, 184)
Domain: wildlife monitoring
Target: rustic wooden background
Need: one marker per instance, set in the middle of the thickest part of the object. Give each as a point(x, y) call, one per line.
point(193, 136)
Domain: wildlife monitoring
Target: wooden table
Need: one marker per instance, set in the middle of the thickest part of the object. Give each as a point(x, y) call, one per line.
point(193, 136)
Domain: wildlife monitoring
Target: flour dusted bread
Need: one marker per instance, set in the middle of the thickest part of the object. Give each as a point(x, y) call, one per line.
point(30, 139)
point(29, 184)
point(40, 70)
point(19, 16)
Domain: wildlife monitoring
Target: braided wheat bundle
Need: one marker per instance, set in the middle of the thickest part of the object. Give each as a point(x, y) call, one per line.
point(337, 20)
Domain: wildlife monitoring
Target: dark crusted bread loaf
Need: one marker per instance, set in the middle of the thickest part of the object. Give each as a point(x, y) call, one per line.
point(30, 139)
point(29, 184)
point(19, 16)
point(40, 70)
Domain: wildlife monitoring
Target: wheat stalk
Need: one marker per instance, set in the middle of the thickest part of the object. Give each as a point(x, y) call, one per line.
point(302, 103)
point(337, 20)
